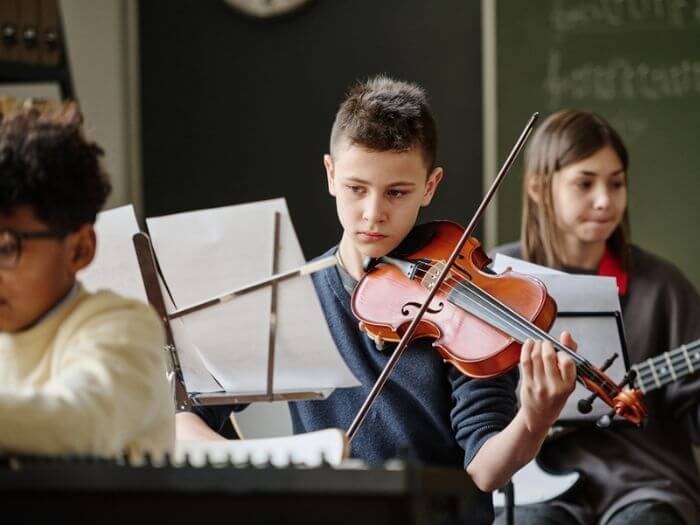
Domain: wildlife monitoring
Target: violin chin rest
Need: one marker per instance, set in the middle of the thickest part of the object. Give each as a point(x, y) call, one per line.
point(368, 263)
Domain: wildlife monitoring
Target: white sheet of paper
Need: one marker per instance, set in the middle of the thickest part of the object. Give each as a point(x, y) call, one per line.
point(194, 372)
point(598, 339)
point(597, 336)
point(115, 266)
point(206, 253)
point(501, 262)
point(582, 293)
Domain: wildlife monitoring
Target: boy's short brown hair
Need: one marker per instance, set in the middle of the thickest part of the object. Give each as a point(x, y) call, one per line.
point(383, 114)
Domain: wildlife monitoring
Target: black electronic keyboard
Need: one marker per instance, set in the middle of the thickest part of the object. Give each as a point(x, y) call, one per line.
point(86, 490)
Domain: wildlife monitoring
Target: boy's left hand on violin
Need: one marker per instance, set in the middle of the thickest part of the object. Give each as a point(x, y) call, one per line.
point(548, 378)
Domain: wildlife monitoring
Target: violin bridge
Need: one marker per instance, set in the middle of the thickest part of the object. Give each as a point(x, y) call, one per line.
point(431, 275)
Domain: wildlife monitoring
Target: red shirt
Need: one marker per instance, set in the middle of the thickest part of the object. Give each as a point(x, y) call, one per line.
point(610, 266)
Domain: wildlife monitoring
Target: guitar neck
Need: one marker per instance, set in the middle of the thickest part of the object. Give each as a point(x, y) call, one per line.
point(668, 367)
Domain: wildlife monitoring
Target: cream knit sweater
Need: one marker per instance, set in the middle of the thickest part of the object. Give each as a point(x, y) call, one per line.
point(89, 379)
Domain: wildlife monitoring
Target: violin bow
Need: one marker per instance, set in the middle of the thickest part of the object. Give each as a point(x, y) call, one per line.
point(408, 334)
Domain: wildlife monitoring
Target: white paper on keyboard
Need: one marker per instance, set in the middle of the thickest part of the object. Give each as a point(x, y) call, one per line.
point(308, 450)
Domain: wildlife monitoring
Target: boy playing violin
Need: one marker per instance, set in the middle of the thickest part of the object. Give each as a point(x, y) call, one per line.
point(80, 373)
point(381, 170)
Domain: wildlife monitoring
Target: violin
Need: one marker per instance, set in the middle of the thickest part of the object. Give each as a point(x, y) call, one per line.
point(468, 306)
point(436, 285)
point(478, 320)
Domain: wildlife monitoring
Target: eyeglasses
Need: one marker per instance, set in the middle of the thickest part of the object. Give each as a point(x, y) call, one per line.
point(11, 244)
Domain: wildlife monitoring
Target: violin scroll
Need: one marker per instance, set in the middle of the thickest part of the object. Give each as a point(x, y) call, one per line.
point(628, 404)
point(624, 401)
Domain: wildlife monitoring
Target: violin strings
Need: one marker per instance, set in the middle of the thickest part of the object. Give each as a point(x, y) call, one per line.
point(657, 369)
point(520, 322)
point(525, 328)
point(516, 321)
point(535, 333)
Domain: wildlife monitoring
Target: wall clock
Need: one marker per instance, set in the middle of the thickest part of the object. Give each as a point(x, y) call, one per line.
point(267, 8)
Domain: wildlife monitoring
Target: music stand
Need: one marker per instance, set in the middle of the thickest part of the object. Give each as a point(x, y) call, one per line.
point(183, 398)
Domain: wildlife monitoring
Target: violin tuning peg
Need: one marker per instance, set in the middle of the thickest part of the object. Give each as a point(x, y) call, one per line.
point(609, 362)
point(628, 379)
point(586, 405)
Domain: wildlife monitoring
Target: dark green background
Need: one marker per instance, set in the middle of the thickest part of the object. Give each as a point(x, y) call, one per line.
point(238, 110)
point(657, 115)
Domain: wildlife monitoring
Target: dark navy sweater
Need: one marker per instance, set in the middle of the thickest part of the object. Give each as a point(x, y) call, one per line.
point(427, 410)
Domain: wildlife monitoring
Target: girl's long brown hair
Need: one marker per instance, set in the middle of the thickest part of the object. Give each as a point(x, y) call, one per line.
point(566, 137)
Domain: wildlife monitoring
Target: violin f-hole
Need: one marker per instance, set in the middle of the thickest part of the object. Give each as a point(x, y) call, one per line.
point(406, 311)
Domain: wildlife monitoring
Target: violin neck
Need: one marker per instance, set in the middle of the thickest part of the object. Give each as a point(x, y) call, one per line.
point(668, 367)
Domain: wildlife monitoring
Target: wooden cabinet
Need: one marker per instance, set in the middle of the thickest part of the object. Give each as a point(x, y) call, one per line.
point(31, 44)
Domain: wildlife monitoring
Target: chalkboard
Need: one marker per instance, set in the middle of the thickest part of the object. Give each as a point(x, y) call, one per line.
point(637, 63)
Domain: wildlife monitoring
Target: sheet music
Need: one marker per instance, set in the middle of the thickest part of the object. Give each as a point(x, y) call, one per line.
point(579, 298)
point(194, 371)
point(115, 266)
point(502, 262)
point(205, 253)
